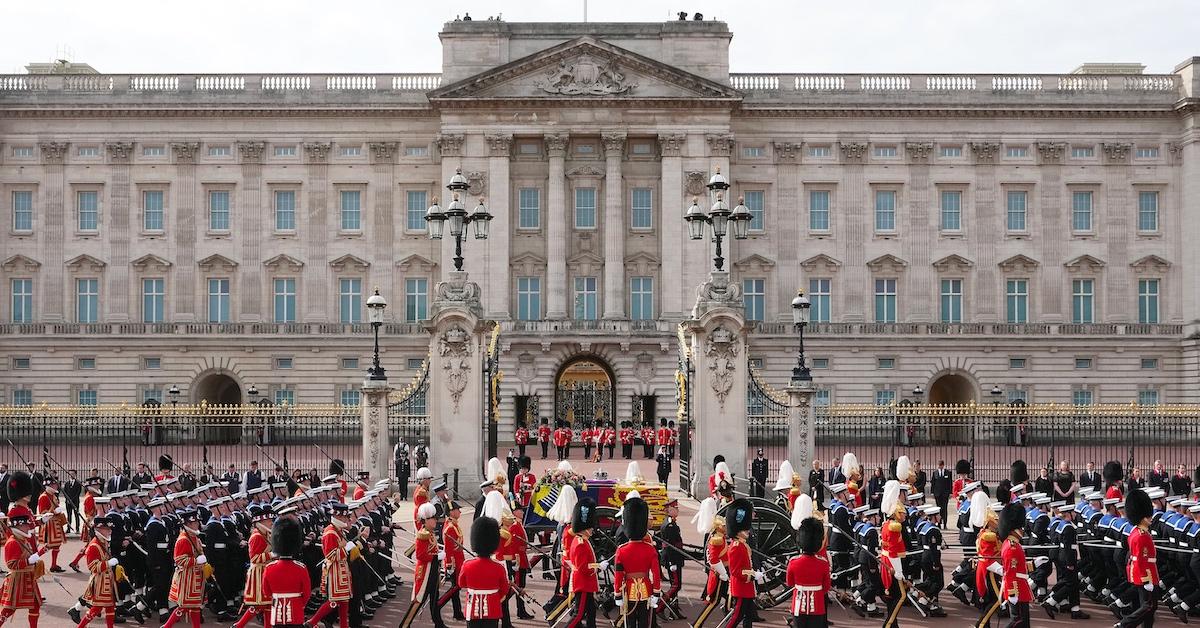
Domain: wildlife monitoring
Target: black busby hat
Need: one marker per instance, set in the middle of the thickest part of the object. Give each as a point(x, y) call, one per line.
point(337, 467)
point(635, 518)
point(738, 515)
point(558, 423)
point(1011, 518)
point(717, 459)
point(662, 422)
point(1113, 472)
point(20, 485)
point(1137, 506)
point(485, 536)
point(286, 537)
point(962, 467)
point(1018, 472)
point(584, 517)
point(670, 423)
point(810, 536)
point(165, 463)
point(545, 420)
point(526, 462)
point(1003, 493)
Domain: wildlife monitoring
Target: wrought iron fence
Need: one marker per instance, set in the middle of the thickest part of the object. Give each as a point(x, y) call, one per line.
point(766, 425)
point(683, 410)
point(408, 410)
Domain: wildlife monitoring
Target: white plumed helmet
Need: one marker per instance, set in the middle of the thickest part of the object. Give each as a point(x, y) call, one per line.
point(785, 476)
point(564, 506)
point(706, 516)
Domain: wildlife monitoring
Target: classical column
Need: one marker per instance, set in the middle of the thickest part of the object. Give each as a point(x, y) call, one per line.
point(718, 333)
point(614, 227)
point(184, 193)
point(51, 306)
point(254, 211)
point(317, 231)
point(119, 210)
point(792, 227)
point(918, 235)
point(672, 232)
point(989, 215)
point(556, 229)
point(386, 212)
point(499, 241)
point(853, 186)
point(376, 446)
point(1120, 289)
point(801, 435)
point(1050, 289)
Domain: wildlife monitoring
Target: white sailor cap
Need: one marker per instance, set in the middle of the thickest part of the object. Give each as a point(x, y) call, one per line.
point(1065, 508)
point(1042, 501)
point(1155, 493)
point(870, 511)
point(837, 488)
point(287, 510)
point(860, 510)
point(1175, 501)
point(1016, 488)
point(158, 501)
point(1195, 508)
point(329, 478)
point(916, 496)
point(997, 507)
point(931, 510)
point(970, 486)
point(1094, 496)
point(148, 487)
point(1111, 501)
point(1059, 503)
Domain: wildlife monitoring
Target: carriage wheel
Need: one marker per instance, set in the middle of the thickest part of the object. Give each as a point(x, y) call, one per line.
point(604, 540)
point(775, 544)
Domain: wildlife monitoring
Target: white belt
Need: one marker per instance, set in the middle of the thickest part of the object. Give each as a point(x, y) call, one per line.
point(803, 587)
point(1023, 576)
point(482, 591)
point(1152, 560)
point(162, 545)
point(284, 596)
point(219, 545)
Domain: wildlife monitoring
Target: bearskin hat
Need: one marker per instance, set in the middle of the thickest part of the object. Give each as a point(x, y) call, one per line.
point(1018, 473)
point(485, 536)
point(635, 518)
point(286, 537)
point(962, 467)
point(526, 462)
point(1011, 518)
point(1003, 494)
point(584, 517)
point(718, 459)
point(738, 516)
point(1137, 506)
point(1113, 472)
point(20, 484)
point(811, 536)
point(165, 463)
point(337, 467)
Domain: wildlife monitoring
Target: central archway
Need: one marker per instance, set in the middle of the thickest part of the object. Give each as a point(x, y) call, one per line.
point(950, 389)
point(585, 390)
point(217, 389)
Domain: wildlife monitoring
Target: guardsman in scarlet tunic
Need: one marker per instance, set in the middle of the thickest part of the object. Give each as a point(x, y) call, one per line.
point(609, 439)
point(452, 537)
point(91, 488)
point(584, 568)
point(636, 579)
point(421, 492)
point(100, 594)
point(428, 557)
point(988, 568)
point(255, 600)
point(543, 436)
point(1016, 572)
point(808, 576)
point(191, 570)
point(674, 438)
point(524, 483)
point(663, 435)
point(483, 578)
point(521, 438)
point(362, 484)
point(21, 557)
point(742, 575)
point(647, 440)
point(892, 550)
point(1142, 568)
point(626, 436)
point(285, 580)
point(1114, 475)
point(513, 550)
point(53, 516)
point(335, 576)
point(562, 437)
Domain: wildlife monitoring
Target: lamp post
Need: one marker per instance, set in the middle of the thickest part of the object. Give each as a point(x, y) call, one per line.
point(456, 214)
point(917, 392)
point(996, 392)
point(252, 392)
point(800, 311)
point(719, 217)
point(173, 392)
point(376, 304)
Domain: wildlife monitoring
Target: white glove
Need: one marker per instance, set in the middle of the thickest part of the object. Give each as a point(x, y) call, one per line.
point(897, 566)
point(1040, 560)
point(1149, 586)
point(1012, 599)
point(721, 571)
point(760, 577)
point(619, 601)
point(653, 602)
point(349, 546)
point(996, 569)
point(201, 559)
point(442, 555)
point(62, 510)
point(674, 568)
point(603, 566)
point(33, 558)
point(112, 562)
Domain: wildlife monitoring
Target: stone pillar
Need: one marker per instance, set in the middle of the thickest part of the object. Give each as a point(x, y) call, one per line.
point(718, 330)
point(672, 231)
point(801, 432)
point(499, 238)
point(52, 307)
point(556, 228)
point(458, 340)
point(184, 193)
point(120, 209)
point(314, 305)
point(614, 227)
point(376, 446)
point(254, 211)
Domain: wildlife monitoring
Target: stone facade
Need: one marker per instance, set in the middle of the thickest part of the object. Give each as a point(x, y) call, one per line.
point(294, 193)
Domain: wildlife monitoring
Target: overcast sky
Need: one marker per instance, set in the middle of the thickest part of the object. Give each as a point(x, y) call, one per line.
point(149, 36)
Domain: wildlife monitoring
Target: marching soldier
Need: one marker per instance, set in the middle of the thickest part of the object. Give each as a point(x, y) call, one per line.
point(1142, 569)
point(929, 536)
point(452, 537)
point(254, 598)
point(1114, 475)
point(1064, 534)
point(524, 483)
point(562, 439)
point(53, 515)
point(21, 556)
point(758, 472)
point(159, 561)
point(285, 580)
point(988, 568)
point(609, 438)
point(742, 575)
point(428, 558)
point(636, 582)
point(484, 578)
point(521, 438)
point(808, 575)
point(421, 493)
point(647, 440)
point(674, 438)
point(671, 556)
point(892, 550)
point(587, 437)
point(516, 555)
point(626, 435)
point(335, 578)
point(715, 554)
point(191, 570)
point(585, 568)
point(101, 589)
point(361, 484)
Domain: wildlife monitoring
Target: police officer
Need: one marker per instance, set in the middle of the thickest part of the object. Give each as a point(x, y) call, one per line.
point(758, 471)
point(671, 557)
point(403, 468)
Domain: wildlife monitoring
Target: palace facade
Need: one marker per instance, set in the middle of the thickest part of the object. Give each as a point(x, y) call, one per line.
point(961, 232)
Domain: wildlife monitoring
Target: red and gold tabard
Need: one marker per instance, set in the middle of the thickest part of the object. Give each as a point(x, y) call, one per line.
point(52, 534)
point(987, 548)
point(260, 557)
point(513, 548)
point(425, 553)
point(187, 584)
point(636, 571)
point(452, 536)
point(335, 577)
point(891, 545)
point(20, 589)
point(89, 513)
point(286, 585)
point(102, 584)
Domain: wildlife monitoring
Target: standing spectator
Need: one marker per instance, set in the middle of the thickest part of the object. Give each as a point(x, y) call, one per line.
point(314, 480)
point(1159, 477)
point(232, 480)
point(835, 472)
point(1181, 484)
point(253, 477)
point(119, 482)
point(143, 475)
point(940, 485)
point(875, 487)
point(278, 477)
point(1135, 480)
point(1043, 483)
point(4, 475)
point(403, 468)
point(1090, 479)
point(816, 484)
point(664, 464)
point(187, 479)
point(71, 490)
point(1064, 483)
point(921, 477)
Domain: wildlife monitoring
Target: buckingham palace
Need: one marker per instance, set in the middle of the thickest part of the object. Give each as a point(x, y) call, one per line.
point(980, 236)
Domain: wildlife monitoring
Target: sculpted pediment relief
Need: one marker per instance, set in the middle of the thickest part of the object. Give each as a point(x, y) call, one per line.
point(820, 261)
point(150, 261)
point(217, 262)
point(1019, 263)
point(887, 263)
point(754, 263)
point(583, 68)
point(20, 262)
point(87, 263)
point(284, 261)
point(953, 262)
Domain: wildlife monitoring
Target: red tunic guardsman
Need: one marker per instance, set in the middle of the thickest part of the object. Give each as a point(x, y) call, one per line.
point(521, 438)
point(421, 492)
point(483, 578)
point(988, 568)
point(584, 567)
point(165, 466)
point(427, 557)
point(362, 484)
point(335, 576)
point(892, 550)
point(562, 437)
point(808, 576)
point(285, 580)
point(1012, 560)
point(626, 437)
point(21, 557)
point(647, 434)
point(1142, 569)
point(454, 542)
point(636, 577)
point(100, 594)
point(191, 570)
point(254, 598)
point(543, 436)
point(716, 555)
point(524, 483)
point(53, 516)
point(1114, 475)
point(609, 436)
point(513, 550)
point(742, 575)
point(663, 435)
point(91, 488)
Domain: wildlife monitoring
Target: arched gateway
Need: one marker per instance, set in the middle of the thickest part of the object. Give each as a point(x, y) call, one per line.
point(584, 391)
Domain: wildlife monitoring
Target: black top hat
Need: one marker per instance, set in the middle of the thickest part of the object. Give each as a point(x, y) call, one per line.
point(810, 536)
point(1137, 506)
point(1011, 518)
point(584, 517)
point(738, 516)
point(635, 518)
point(286, 538)
point(485, 536)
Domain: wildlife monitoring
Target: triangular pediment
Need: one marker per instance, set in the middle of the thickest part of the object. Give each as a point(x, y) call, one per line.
point(349, 262)
point(284, 261)
point(217, 262)
point(641, 263)
point(85, 262)
point(584, 68)
point(1019, 263)
point(585, 262)
point(953, 262)
point(416, 262)
point(150, 261)
point(820, 261)
point(20, 262)
point(887, 262)
point(1084, 263)
point(754, 263)
point(527, 262)
point(1151, 264)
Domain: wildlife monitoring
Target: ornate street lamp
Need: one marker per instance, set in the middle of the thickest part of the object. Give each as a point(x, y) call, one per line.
point(800, 312)
point(173, 392)
point(253, 393)
point(456, 214)
point(719, 217)
point(376, 304)
point(996, 392)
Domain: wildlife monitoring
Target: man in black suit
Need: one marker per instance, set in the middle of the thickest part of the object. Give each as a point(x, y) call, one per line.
point(143, 475)
point(119, 482)
point(940, 485)
point(39, 481)
point(1090, 479)
point(816, 485)
point(758, 471)
point(4, 475)
point(921, 479)
point(1160, 477)
point(71, 490)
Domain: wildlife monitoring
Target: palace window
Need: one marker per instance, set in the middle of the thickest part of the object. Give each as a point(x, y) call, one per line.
point(1016, 203)
point(885, 300)
point(755, 203)
point(1148, 300)
point(152, 363)
point(87, 300)
point(1016, 152)
point(951, 211)
point(154, 151)
point(1083, 295)
point(529, 298)
point(86, 363)
point(1081, 396)
point(819, 294)
point(885, 397)
point(1148, 397)
point(285, 300)
point(416, 299)
point(351, 210)
point(529, 208)
point(951, 151)
point(1081, 211)
point(285, 210)
point(349, 363)
point(22, 300)
point(1147, 211)
point(350, 300)
point(418, 202)
point(884, 151)
point(218, 301)
point(1016, 301)
point(154, 300)
point(285, 396)
point(820, 151)
point(1150, 363)
point(818, 210)
point(585, 208)
point(86, 397)
point(89, 151)
point(22, 207)
point(885, 210)
point(1083, 152)
point(1146, 153)
point(641, 298)
point(284, 363)
point(218, 210)
point(349, 397)
point(87, 204)
point(642, 208)
point(22, 397)
point(585, 298)
point(952, 300)
point(152, 210)
point(754, 298)
point(219, 151)
point(285, 151)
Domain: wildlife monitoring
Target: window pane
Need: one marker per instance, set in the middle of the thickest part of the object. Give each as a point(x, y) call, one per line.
point(642, 202)
point(885, 210)
point(416, 298)
point(818, 210)
point(1017, 300)
point(585, 298)
point(89, 211)
point(218, 300)
point(1147, 211)
point(585, 208)
point(22, 397)
point(754, 298)
point(1081, 211)
point(1016, 211)
point(349, 397)
point(285, 397)
point(351, 210)
point(218, 211)
point(22, 202)
point(22, 300)
point(87, 300)
point(285, 210)
point(819, 295)
point(885, 300)
point(153, 300)
point(641, 298)
point(1148, 301)
point(1082, 295)
point(350, 300)
point(951, 211)
point(529, 298)
point(418, 202)
point(529, 201)
point(285, 300)
point(756, 202)
point(885, 397)
point(951, 300)
point(1148, 397)
point(87, 397)
point(152, 210)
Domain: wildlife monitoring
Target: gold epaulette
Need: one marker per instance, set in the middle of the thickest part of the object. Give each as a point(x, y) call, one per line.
point(988, 536)
point(716, 539)
point(895, 526)
point(424, 535)
point(505, 534)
